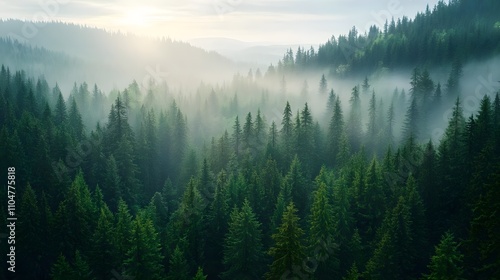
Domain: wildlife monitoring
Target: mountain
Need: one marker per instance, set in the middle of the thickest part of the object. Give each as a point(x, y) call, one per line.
point(254, 53)
point(114, 59)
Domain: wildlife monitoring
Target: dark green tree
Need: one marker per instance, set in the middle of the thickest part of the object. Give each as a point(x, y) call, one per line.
point(446, 264)
point(288, 251)
point(243, 252)
point(144, 259)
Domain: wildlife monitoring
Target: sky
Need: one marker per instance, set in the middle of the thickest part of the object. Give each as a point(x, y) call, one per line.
point(264, 21)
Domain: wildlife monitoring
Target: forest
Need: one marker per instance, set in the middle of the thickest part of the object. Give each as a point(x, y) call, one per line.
point(326, 166)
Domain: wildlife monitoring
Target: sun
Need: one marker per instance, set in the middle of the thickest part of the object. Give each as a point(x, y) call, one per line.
point(137, 16)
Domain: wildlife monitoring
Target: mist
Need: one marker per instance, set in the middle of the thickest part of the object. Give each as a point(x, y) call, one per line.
point(373, 155)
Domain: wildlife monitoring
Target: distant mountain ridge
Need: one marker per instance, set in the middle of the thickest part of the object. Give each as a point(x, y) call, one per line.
point(120, 57)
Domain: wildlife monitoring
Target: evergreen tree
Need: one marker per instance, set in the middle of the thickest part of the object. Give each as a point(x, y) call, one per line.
point(288, 251)
point(61, 269)
point(122, 231)
point(410, 128)
point(286, 133)
point(179, 269)
point(453, 83)
point(112, 185)
point(391, 259)
point(323, 85)
point(365, 86)
point(81, 270)
point(295, 183)
point(103, 254)
point(336, 133)
point(354, 122)
point(75, 122)
point(29, 233)
point(144, 259)
point(321, 235)
point(446, 264)
point(372, 128)
point(199, 275)
point(243, 254)
point(236, 137)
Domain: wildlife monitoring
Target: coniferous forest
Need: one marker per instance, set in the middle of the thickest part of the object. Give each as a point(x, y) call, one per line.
point(376, 156)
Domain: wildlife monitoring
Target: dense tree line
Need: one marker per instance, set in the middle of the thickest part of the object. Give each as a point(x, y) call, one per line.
point(129, 196)
point(459, 29)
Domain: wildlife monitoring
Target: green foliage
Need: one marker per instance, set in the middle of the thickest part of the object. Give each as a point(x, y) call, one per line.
point(243, 252)
point(144, 259)
point(321, 234)
point(447, 261)
point(288, 251)
point(199, 275)
point(178, 269)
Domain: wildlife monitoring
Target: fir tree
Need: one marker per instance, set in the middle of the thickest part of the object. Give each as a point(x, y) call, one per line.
point(243, 254)
point(446, 264)
point(288, 251)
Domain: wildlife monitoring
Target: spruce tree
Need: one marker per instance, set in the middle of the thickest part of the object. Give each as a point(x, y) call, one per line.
point(178, 269)
point(446, 263)
point(321, 234)
point(144, 259)
point(288, 251)
point(243, 253)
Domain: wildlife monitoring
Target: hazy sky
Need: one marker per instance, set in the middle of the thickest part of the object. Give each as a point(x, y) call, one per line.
point(271, 21)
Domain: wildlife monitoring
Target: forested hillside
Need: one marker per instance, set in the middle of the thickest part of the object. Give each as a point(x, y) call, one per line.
point(458, 30)
point(395, 175)
point(111, 59)
point(129, 196)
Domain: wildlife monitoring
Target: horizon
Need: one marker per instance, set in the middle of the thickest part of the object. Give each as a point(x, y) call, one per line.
point(297, 23)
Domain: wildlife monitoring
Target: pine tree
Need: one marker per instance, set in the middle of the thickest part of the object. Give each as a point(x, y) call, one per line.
point(446, 264)
point(321, 235)
point(29, 233)
point(410, 128)
point(366, 85)
point(259, 131)
point(323, 85)
point(179, 269)
point(353, 273)
point(296, 183)
point(288, 251)
point(372, 128)
point(236, 137)
point(453, 83)
point(81, 270)
point(61, 269)
point(103, 254)
point(122, 232)
point(484, 240)
point(112, 183)
point(217, 225)
point(60, 112)
point(305, 140)
point(144, 259)
point(354, 122)
point(336, 132)
point(75, 217)
point(248, 133)
point(391, 259)
point(286, 133)
point(243, 253)
point(199, 275)
point(75, 122)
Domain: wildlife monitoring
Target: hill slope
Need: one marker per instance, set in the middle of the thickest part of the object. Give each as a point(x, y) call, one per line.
point(120, 57)
point(461, 29)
